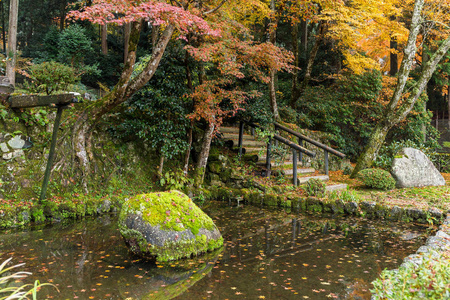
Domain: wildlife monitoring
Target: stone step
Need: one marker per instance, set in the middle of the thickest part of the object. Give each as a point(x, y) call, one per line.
point(301, 171)
point(229, 130)
point(255, 150)
point(247, 143)
point(304, 180)
point(235, 136)
point(336, 187)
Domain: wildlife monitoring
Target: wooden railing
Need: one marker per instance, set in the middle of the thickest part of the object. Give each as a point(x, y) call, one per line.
point(302, 138)
point(295, 147)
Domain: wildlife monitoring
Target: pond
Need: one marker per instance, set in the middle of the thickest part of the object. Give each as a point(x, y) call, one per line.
point(267, 254)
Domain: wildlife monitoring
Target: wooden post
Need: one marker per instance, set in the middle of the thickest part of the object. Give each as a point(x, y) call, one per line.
point(241, 133)
point(51, 153)
point(268, 157)
point(326, 162)
point(300, 156)
point(12, 42)
point(294, 167)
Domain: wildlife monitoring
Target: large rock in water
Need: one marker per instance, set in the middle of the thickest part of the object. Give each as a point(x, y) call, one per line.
point(167, 226)
point(414, 169)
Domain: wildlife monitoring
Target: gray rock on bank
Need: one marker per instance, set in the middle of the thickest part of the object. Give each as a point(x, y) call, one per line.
point(414, 169)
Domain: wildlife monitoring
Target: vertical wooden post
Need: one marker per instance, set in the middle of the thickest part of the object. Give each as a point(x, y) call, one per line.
point(51, 153)
point(268, 157)
point(12, 42)
point(326, 162)
point(294, 167)
point(253, 131)
point(241, 134)
point(300, 156)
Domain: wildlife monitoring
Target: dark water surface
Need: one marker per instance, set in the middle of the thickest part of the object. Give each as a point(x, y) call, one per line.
point(268, 254)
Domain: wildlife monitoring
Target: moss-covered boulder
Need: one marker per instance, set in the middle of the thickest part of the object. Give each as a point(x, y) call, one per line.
point(167, 226)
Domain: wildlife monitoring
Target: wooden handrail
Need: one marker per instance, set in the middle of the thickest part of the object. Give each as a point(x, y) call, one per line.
point(311, 141)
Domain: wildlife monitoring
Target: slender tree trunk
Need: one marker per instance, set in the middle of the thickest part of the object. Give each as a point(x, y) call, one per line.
point(393, 57)
point(190, 132)
point(304, 35)
point(3, 27)
point(104, 37)
point(161, 166)
point(294, 90)
point(203, 158)
point(155, 36)
point(272, 39)
point(188, 151)
point(62, 15)
point(11, 54)
point(395, 113)
point(126, 39)
point(448, 105)
point(311, 59)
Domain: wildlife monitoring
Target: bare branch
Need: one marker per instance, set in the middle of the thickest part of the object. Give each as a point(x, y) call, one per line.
point(215, 9)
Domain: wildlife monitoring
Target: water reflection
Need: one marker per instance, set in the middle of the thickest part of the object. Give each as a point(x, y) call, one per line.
point(267, 253)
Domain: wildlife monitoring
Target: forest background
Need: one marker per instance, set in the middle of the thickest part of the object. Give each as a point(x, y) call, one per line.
point(169, 73)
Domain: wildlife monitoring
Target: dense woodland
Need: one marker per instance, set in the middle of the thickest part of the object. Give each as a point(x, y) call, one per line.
point(171, 72)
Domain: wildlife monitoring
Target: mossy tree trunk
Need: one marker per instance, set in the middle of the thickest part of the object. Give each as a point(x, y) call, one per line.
point(395, 112)
point(123, 90)
point(203, 158)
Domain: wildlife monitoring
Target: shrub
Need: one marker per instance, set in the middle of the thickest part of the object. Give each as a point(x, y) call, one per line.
point(315, 187)
point(49, 77)
point(377, 179)
point(430, 280)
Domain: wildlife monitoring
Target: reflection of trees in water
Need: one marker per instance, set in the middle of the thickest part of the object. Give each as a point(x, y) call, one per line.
point(167, 282)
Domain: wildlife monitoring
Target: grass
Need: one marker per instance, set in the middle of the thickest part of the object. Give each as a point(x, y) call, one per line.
point(423, 197)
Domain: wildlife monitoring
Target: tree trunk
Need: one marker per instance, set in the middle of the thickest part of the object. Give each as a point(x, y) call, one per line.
point(12, 42)
point(188, 151)
point(126, 40)
point(304, 37)
point(104, 37)
point(311, 59)
point(294, 90)
point(393, 114)
point(272, 39)
point(124, 89)
point(161, 166)
point(190, 133)
point(448, 103)
point(3, 27)
point(393, 57)
point(62, 15)
point(203, 158)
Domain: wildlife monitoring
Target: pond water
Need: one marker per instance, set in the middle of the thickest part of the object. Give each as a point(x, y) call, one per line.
point(268, 254)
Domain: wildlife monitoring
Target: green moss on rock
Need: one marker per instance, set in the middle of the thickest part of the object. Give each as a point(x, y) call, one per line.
point(167, 226)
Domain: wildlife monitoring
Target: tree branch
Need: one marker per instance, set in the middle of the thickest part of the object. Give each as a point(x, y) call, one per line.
point(215, 9)
point(142, 78)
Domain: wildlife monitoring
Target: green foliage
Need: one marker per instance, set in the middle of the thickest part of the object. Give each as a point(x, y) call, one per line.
point(441, 161)
point(10, 291)
point(74, 45)
point(430, 280)
point(348, 110)
point(388, 152)
point(377, 179)
point(70, 47)
point(174, 180)
point(49, 77)
point(345, 196)
point(315, 187)
point(157, 114)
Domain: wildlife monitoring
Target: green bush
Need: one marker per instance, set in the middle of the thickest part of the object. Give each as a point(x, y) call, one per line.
point(377, 179)
point(430, 280)
point(49, 77)
point(315, 187)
